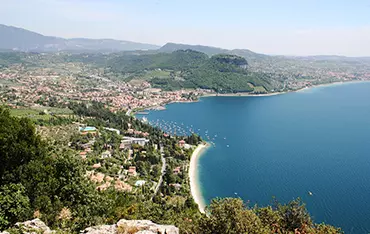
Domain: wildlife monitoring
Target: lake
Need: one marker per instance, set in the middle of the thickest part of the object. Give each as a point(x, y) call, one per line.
point(285, 146)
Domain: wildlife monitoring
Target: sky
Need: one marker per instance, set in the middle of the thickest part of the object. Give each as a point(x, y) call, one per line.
point(278, 27)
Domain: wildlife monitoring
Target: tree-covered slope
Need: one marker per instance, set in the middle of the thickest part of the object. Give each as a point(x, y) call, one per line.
point(193, 69)
point(171, 47)
point(48, 180)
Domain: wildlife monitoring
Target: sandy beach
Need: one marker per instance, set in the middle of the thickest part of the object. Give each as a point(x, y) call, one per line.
point(193, 176)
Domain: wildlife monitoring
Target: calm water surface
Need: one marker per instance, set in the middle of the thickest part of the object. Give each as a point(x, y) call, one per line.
point(284, 146)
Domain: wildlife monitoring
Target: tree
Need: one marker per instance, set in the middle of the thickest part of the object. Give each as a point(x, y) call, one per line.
point(14, 205)
point(294, 215)
point(18, 145)
point(230, 216)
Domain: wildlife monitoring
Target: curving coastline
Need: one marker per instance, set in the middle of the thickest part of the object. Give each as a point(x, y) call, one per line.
point(280, 93)
point(163, 106)
point(193, 176)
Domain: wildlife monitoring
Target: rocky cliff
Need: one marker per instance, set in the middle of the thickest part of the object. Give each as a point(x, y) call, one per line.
point(36, 226)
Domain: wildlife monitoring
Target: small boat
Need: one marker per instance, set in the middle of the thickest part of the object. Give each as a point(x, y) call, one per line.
point(310, 193)
point(227, 146)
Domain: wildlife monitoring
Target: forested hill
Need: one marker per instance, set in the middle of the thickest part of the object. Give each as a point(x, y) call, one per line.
point(171, 47)
point(209, 50)
point(193, 69)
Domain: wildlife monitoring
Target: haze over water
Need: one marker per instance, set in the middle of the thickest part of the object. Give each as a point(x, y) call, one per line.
point(284, 146)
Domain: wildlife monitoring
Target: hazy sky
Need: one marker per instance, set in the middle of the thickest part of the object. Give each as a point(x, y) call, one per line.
point(290, 27)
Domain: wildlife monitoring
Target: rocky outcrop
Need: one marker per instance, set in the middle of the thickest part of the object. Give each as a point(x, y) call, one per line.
point(36, 226)
point(133, 226)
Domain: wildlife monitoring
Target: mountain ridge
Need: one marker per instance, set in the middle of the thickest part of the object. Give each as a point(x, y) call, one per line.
point(19, 39)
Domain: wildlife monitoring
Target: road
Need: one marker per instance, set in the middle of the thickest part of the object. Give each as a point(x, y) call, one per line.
point(163, 170)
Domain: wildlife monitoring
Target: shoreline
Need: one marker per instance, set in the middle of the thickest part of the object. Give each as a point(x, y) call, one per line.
point(193, 176)
point(163, 106)
point(280, 93)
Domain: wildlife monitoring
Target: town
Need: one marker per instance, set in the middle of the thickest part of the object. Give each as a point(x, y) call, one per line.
point(58, 83)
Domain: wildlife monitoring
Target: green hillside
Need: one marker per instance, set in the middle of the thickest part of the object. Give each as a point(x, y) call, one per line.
point(193, 69)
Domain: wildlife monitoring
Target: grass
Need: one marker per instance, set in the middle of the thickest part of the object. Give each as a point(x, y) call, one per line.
point(147, 76)
point(29, 113)
point(259, 89)
point(36, 112)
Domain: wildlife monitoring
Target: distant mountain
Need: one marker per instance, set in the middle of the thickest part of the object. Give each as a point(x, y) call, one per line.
point(171, 47)
point(19, 39)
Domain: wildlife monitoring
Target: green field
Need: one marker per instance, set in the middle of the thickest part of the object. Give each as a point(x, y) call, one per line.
point(39, 112)
point(259, 89)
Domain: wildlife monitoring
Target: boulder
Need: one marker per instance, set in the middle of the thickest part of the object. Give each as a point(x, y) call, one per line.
point(34, 226)
point(146, 227)
point(132, 226)
point(102, 229)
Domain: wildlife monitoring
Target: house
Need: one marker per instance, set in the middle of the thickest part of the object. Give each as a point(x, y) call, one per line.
point(96, 166)
point(133, 140)
point(177, 170)
point(106, 154)
point(176, 186)
point(122, 186)
point(132, 171)
point(130, 131)
point(83, 153)
point(108, 178)
point(140, 141)
point(145, 134)
point(98, 178)
point(140, 183)
point(103, 186)
point(125, 144)
point(182, 143)
point(85, 146)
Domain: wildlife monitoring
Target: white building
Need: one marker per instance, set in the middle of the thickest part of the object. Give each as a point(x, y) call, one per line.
point(133, 140)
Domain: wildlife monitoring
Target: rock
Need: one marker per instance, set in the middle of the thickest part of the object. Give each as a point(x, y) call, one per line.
point(103, 229)
point(131, 227)
point(146, 227)
point(34, 226)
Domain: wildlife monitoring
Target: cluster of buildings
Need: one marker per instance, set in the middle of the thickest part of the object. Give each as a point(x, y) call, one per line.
point(44, 87)
point(104, 181)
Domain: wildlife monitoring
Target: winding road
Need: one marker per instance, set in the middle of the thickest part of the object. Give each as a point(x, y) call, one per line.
point(163, 170)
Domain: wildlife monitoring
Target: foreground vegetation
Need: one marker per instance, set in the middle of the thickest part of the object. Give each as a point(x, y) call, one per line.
point(45, 180)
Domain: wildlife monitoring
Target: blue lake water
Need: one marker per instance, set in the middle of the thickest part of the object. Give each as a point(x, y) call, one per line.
point(283, 146)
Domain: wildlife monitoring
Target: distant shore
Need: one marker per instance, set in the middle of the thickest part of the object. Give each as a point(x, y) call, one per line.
point(163, 106)
point(332, 84)
point(242, 94)
point(193, 176)
point(280, 93)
